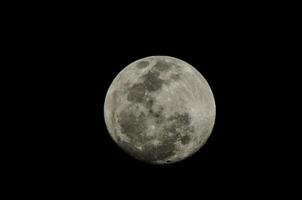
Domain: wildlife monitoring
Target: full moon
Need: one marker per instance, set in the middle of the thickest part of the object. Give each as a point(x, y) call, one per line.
point(160, 110)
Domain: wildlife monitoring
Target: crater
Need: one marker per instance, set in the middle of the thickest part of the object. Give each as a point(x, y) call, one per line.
point(162, 65)
point(157, 115)
point(185, 139)
point(181, 119)
point(175, 77)
point(179, 127)
point(142, 64)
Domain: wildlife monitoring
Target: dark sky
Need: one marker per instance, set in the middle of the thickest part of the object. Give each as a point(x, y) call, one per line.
point(78, 55)
point(226, 58)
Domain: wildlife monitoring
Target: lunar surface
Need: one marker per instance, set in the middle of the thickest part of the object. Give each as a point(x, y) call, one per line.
point(160, 110)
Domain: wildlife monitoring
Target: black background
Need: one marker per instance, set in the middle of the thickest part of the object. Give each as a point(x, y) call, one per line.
point(74, 54)
point(87, 153)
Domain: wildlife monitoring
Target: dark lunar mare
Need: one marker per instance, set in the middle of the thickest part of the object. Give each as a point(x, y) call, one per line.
point(142, 64)
point(136, 93)
point(162, 65)
point(135, 126)
point(132, 126)
point(152, 82)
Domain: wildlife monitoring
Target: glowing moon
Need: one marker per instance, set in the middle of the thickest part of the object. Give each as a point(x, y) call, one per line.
point(159, 109)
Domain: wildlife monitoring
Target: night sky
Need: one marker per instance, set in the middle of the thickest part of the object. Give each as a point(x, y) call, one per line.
point(76, 57)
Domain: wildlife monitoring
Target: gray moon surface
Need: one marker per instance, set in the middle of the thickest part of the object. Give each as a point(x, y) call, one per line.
point(160, 110)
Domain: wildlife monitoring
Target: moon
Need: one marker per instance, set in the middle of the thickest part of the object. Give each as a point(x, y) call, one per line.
point(159, 110)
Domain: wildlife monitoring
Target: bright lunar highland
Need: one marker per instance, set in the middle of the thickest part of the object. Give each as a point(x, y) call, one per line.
point(160, 110)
